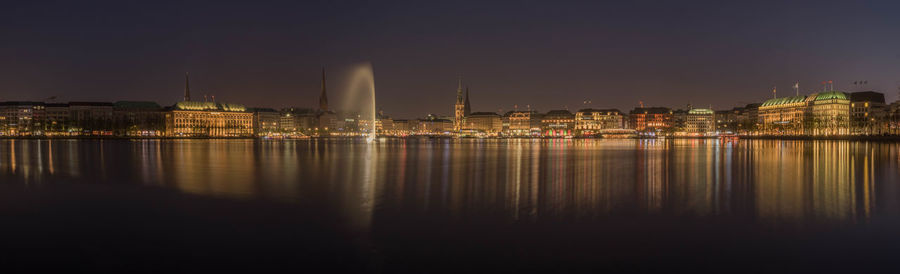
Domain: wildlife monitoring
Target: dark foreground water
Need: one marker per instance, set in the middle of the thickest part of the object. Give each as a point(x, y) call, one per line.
point(450, 205)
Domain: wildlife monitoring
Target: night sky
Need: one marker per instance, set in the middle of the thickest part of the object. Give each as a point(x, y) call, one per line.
point(545, 54)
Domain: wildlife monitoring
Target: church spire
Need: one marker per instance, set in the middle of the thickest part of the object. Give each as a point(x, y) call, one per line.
point(323, 98)
point(187, 88)
point(459, 91)
point(468, 107)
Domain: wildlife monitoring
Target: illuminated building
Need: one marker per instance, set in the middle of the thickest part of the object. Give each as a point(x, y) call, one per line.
point(831, 113)
point(488, 123)
point(522, 123)
point(894, 118)
point(133, 118)
point(591, 121)
point(700, 122)
point(651, 119)
point(432, 125)
point(826, 113)
point(403, 127)
point(21, 118)
point(384, 124)
point(91, 118)
point(868, 112)
point(266, 121)
point(558, 123)
point(207, 119)
point(784, 115)
point(459, 109)
point(56, 119)
point(298, 121)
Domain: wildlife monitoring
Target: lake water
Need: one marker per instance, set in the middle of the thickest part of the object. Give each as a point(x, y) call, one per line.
point(435, 205)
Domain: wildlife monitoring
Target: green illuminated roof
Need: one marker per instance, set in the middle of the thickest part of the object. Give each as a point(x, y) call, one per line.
point(831, 95)
point(701, 111)
point(784, 100)
point(191, 105)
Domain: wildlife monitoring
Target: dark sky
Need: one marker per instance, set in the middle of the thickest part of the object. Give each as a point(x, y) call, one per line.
point(547, 54)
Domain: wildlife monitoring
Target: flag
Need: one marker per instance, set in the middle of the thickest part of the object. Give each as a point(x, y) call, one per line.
point(854, 82)
point(797, 85)
point(830, 82)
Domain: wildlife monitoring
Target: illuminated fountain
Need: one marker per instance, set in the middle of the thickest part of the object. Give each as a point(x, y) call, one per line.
point(360, 96)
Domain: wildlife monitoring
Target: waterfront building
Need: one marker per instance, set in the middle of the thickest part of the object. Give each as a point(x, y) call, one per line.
point(786, 115)
point(558, 123)
point(894, 118)
point(651, 119)
point(591, 121)
point(21, 118)
point(826, 113)
point(700, 122)
point(404, 127)
point(384, 124)
point(432, 125)
point(266, 122)
point(207, 119)
point(91, 118)
point(679, 119)
point(56, 119)
point(522, 123)
point(727, 121)
point(459, 109)
point(830, 113)
point(298, 121)
point(488, 123)
point(138, 118)
point(868, 112)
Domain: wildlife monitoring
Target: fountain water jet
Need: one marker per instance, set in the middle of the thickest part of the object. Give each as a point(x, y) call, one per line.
point(360, 96)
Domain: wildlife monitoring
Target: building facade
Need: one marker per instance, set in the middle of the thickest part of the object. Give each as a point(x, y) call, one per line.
point(138, 119)
point(868, 113)
point(700, 122)
point(488, 123)
point(558, 123)
point(592, 121)
point(651, 119)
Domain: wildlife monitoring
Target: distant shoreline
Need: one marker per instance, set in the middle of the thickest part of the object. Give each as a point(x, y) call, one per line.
point(892, 138)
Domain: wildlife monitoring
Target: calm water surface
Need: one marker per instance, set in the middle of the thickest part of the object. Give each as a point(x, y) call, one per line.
point(396, 193)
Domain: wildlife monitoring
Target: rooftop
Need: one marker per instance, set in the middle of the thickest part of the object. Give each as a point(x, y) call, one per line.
point(783, 101)
point(867, 96)
point(192, 105)
point(701, 111)
point(830, 95)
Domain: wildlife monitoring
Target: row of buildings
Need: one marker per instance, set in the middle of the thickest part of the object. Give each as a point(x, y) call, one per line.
point(824, 113)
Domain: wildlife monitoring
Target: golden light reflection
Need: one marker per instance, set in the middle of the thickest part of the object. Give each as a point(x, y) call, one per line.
point(521, 179)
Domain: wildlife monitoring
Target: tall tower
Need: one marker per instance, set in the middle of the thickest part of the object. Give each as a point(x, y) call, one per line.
point(468, 107)
point(323, 98)
point(460, 107)
point(187, 88)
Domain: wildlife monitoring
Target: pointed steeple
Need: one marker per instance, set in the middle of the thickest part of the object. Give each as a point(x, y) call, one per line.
point(323, 98)
point(187, 87)
point(459, 91)
point(468, 107)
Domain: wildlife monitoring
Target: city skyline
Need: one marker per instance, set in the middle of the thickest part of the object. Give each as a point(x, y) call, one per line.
point(668, 54)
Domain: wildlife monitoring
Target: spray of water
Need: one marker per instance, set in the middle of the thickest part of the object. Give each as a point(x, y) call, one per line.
point(360, 96)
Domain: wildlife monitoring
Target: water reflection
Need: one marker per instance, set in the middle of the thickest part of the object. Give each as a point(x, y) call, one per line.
point(772, 181)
